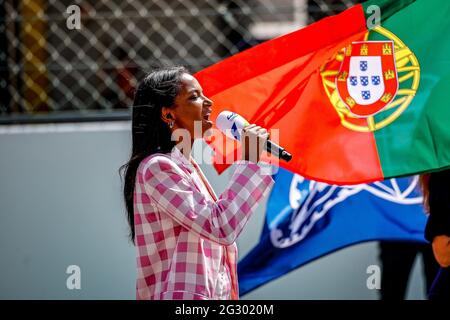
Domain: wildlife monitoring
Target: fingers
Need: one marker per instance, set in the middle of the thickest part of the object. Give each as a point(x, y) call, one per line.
point(253, 139)
point(262, 133)
point(249, 127)
point(254, 129)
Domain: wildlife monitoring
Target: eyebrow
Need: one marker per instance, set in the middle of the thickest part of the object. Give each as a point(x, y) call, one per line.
point(194, 90)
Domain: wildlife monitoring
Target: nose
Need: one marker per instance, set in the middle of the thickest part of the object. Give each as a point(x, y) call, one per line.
point(208, 102)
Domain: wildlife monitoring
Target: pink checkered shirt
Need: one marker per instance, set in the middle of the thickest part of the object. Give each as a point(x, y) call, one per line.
point(185, 236)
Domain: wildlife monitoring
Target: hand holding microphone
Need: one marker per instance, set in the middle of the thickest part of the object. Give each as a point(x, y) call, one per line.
point(253, 136)
point(234, 126)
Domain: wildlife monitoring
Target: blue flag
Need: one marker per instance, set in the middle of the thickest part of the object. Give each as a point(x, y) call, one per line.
point(306, 220)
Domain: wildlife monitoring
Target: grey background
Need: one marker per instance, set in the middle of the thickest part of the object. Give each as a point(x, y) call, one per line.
point(61, 205)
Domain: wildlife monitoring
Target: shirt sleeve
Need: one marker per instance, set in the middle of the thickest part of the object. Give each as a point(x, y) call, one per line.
point(222, 221)
point(439, 200)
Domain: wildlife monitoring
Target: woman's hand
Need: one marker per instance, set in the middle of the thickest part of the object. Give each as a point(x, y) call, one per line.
point(253, 140)
point(441, 250)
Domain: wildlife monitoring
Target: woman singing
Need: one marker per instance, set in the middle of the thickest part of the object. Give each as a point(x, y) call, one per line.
point(184, 234)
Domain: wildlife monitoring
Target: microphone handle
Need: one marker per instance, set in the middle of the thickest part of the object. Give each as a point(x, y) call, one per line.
point(277, 151)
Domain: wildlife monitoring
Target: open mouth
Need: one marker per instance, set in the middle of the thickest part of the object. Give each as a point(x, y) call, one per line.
point(206, 117)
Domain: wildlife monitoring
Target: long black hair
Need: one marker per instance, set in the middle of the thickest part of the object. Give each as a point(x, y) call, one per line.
point(150, 134)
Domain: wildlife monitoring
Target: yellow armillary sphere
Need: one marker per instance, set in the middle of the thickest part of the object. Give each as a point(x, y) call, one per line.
point(359, 88)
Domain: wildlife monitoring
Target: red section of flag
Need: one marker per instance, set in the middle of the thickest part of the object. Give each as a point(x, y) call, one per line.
point(278, 85)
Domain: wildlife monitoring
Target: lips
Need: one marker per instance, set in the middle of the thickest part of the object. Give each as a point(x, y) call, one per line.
point(206, 116)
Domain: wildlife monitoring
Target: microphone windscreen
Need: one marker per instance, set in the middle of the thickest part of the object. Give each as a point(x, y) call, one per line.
point(231, 124)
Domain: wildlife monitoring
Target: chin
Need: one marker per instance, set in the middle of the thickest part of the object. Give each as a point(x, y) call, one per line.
point(206, 129)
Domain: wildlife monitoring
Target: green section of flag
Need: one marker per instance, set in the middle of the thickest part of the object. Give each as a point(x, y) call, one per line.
point(419, 139)
point(387, 7)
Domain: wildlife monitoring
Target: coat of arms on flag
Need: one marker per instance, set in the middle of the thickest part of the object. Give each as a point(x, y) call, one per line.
point(367, 80)
point(369, 77)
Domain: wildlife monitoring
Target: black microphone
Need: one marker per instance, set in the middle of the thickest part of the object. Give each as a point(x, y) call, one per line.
point(277, 151)
point(231, 124)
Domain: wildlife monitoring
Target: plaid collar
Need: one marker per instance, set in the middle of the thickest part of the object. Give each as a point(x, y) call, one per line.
point(180, 159)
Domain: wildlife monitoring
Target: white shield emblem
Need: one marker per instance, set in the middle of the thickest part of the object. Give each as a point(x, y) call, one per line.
point(365, 80)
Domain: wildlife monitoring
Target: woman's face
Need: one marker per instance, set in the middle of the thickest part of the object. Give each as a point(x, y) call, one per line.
point(191, 106)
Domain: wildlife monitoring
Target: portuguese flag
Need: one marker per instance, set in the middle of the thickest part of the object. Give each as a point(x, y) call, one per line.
point(357, 97)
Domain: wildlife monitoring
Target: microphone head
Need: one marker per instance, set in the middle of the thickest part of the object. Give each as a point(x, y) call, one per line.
point(231, 124)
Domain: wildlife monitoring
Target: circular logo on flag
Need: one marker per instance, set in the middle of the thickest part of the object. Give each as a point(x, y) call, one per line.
point(370, 83)
point(310, 202)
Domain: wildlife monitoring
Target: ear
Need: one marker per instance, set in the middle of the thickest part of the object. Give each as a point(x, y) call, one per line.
point(167, 114)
